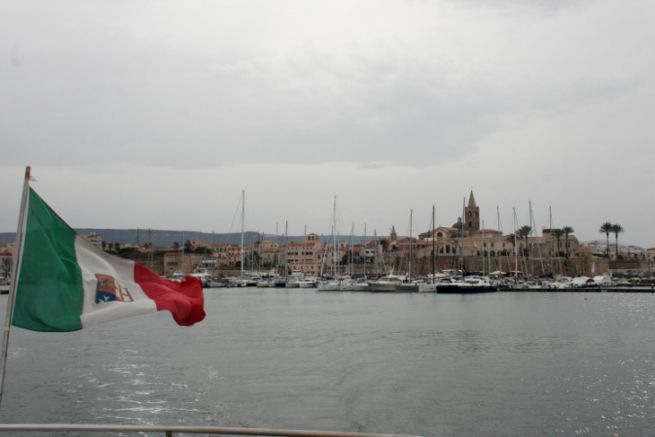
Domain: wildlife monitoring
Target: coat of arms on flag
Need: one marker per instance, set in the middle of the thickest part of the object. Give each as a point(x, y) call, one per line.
point(109, 289)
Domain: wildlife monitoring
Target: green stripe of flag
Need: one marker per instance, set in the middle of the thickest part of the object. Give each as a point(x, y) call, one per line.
point(50, 293)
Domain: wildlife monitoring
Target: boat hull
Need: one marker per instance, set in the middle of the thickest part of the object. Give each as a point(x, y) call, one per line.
point(407, 288)
point(459, 289)
point(384, 287)
point(427, 288)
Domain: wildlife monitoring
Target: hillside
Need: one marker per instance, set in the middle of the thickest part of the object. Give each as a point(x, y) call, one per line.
point(164, 238)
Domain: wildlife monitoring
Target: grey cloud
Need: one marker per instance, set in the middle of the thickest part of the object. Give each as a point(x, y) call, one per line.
point(93, 92)
point(150, 108)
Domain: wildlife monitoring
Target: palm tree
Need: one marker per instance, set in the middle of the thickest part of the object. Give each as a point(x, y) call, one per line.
point(557, 233)
point(606, 228)
point(510, 239)
point(568, 230)
point(617, 229)
point(524, 232)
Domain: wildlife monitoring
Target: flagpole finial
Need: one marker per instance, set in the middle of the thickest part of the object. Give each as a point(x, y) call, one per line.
point(28, 175)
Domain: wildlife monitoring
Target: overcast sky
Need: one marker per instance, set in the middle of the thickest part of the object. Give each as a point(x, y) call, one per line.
point(157, 114)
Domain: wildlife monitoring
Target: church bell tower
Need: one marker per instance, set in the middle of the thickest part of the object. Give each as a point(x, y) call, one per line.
point(472, 215)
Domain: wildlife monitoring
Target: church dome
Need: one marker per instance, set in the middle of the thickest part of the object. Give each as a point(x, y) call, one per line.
point(458, 224)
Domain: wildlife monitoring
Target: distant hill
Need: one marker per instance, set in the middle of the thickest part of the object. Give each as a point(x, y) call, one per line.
point(166, 238)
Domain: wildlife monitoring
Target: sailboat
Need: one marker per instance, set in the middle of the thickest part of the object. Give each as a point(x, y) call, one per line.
point(348, 283)
point(332, 284)
point(431, 287)
point(242, 280)
point(409, 285)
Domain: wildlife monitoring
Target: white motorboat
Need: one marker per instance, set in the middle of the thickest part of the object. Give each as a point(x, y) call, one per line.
point(349, 284)
point(203, 275)
point(386, 284)
point(306, 283)
point(331, 285)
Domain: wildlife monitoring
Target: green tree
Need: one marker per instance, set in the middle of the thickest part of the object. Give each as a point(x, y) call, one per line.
point(617, 229)
point(510, 239)
point(557, 233)
point(568, 230)
point(524, 233)
point(606, 228)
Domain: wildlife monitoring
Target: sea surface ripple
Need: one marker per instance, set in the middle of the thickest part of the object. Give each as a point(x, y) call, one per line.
point(502, 364)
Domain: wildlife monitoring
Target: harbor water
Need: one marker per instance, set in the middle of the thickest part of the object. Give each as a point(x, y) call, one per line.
point(501, 364)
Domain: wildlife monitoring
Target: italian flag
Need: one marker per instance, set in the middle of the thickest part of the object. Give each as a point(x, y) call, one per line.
point(65, 283)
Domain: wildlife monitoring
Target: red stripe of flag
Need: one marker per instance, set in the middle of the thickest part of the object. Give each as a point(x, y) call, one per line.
point(185, 300)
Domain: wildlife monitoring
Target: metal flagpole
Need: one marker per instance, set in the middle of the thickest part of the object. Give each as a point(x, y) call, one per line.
point(15, 265)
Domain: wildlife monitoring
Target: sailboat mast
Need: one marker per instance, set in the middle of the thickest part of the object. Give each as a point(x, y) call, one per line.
point(463, 234)
point(533, 224)
point(434, 248)
point(350, 249)
point(334, 238)
point(243, 214)
point(516, 254)
point(499, 226)
point(286, 244)
point(409, 261)
point(364, 250)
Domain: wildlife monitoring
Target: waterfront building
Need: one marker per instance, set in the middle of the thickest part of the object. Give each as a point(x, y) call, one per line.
point(171, 261)
point(599, 248)
point(466, 245)
point(196, 246)
point(632, 252)
point(305, 255)
point(5, 261)
point(227, 255)
point(268, 253)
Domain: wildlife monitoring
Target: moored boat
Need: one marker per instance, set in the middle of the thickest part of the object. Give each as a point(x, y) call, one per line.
point(329, 285)
point(350, 284)
point(386, 284)
point(466, 285)
point(408, 287)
